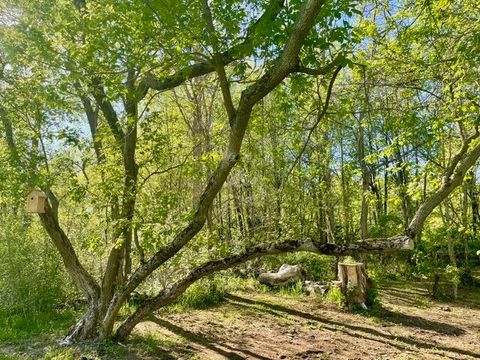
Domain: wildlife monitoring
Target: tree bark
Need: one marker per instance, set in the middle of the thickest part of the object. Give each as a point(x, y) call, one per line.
point(79, 275)
point(86, 327)
point(365, 176)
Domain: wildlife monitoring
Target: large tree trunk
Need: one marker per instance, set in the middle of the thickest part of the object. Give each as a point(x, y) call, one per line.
point(283, 66)
point(86, 328)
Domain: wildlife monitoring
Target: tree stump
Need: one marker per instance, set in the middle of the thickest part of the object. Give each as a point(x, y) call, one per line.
point(353, 278)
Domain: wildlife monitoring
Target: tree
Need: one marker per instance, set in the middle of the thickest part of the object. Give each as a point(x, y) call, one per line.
point(111, 60)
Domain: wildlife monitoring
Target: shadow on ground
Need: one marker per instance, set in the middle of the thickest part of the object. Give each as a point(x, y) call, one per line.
point(210, 342)
point(234, 347)
point(366, 332)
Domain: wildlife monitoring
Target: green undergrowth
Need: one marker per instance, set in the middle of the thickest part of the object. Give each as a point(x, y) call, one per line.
point(203, 294)
point(16, 326)
point(211, 292)
point(207, 293)
point(294, 289)
point(336, 296)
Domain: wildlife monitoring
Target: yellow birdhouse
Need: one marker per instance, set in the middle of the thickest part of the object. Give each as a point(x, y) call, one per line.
point(36, 202)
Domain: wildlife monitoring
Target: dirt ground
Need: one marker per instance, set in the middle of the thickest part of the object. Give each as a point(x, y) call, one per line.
point(269, 326)
point(408, 325)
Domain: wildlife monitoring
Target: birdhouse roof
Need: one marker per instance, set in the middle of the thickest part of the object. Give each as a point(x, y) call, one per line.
point(38, 193)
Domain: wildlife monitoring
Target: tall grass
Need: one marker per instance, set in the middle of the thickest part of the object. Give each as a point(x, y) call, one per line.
point(202, 294)
point(24, 325)
point(32, 282)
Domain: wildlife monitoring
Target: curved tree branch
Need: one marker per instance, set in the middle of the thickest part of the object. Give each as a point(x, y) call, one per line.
point(338, 61)
point(451, 179)
point(108, 112)
point(320, 116)
point(79, 275)
point(239, 51)
point(170, 294)
point(218, 62)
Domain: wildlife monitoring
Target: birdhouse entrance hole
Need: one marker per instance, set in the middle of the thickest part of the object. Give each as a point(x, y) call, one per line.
point(36, 201)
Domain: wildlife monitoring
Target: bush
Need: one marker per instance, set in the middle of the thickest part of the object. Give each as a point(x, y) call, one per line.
point(235, 283)
point(336, 296)
point(453, 274)
point(372, 293)
point(466, 277)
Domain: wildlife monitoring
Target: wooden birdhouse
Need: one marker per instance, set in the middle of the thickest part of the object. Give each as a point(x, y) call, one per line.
point(36, 201)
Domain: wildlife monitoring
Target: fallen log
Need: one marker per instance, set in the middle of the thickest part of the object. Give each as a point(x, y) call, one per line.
point(286, 274)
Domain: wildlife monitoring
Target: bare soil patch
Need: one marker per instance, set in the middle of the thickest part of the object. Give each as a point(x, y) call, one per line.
point(269, 326)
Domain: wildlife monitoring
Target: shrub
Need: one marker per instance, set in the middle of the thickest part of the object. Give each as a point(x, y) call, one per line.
point(235, 283)
point(452, 274)
point(466, 277)
point(372, 293)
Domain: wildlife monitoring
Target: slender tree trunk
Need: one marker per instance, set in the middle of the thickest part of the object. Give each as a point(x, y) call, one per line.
point(465, 221)
point(330, 208)
point(451, 245)
point(365, 177)
point(345, 198)
point(402, 182)
point(238, 210)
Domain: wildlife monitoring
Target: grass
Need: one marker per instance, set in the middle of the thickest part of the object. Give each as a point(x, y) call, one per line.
point(201, 295)
point(30, 332)
point(336, 296)
point(16, 326)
